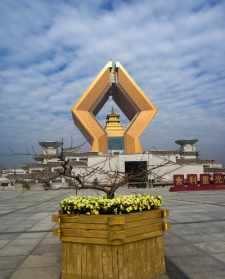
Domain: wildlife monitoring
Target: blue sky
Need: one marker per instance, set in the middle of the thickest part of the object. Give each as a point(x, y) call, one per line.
point(51, 50)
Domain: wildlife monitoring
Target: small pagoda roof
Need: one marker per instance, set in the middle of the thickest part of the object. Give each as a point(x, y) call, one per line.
point(186, 141)
point(50, 143)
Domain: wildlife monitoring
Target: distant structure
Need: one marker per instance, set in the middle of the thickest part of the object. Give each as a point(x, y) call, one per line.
point(114, 81)
point(188, 148)
point(50, 152)
point(115, 132)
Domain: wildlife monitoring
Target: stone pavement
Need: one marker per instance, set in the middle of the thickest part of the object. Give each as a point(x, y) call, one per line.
point(195, 244)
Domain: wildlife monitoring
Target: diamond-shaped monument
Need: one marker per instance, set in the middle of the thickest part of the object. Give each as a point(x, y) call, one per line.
point(113, 80)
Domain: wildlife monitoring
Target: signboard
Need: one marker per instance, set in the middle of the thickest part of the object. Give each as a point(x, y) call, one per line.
point(192, 180)
point(178, 180)
point(192, 183)
point(205, 179)
point(218, 179)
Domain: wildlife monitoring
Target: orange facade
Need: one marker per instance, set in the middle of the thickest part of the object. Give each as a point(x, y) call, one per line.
point(113, 80)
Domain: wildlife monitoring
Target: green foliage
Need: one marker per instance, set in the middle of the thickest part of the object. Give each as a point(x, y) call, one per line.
point(102, 205)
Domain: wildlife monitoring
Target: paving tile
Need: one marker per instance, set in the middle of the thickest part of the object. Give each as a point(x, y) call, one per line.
point(53, 240)
point(43, 260)
point(164, 276)
point(3, 242)
point(23, 242)
point(203, 237)
point(16, 250)
point(7, 236)
point(6, 274)
point(39, 273)
point(212, 246)
point(47, 248)
point(195, 250)
point(182, 250)
point(10, 262)
point(220, 257)
point(28, 235)
point(215, 274)
point(172, 240)
point(39, 216)
point(196, 264)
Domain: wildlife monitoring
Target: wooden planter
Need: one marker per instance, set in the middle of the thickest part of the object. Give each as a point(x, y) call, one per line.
point(129, 246)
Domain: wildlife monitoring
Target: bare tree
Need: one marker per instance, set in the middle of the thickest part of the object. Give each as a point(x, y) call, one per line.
point(79, 180)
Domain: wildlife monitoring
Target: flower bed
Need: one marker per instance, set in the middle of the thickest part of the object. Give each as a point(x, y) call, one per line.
point(102, 205)
point(112, 239)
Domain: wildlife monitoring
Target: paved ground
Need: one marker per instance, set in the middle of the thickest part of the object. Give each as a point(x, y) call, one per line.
point(195, 245)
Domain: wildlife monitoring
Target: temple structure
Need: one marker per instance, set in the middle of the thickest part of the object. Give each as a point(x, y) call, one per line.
point(115, 132)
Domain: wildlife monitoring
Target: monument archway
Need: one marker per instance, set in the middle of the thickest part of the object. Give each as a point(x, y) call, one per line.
point(113, 80)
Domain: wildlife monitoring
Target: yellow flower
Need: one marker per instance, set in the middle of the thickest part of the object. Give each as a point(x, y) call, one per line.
point(98, 205)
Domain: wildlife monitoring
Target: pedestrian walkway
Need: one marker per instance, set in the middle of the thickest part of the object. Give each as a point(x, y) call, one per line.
point(195, 244)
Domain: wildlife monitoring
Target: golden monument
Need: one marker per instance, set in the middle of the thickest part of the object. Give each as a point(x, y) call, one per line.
point(113, 80)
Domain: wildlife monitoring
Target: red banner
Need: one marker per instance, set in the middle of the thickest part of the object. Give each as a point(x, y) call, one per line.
point(192, 180)
point(205, 179)
point(218, 179)
point(178, 180)
point(192, 183)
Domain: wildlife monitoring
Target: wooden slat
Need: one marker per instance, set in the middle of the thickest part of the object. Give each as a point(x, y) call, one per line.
point(89, 268)
point(67, 227)
point(117, 235)
point(84, 233)
point(115, 266)
point(85, 240)
point(78, 252)
point(117, 219)
point(141, 223)
point(144, 229)
point(84, 259)
point(143, 236)
point(75, 226)
point(164, 212)
point(165, 226)
point(121, 261)
point(85, 219)
point(152, 214)
point(56, 232)
point(99, 261)
point(55, 218)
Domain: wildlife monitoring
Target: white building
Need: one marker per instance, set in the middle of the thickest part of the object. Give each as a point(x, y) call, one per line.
point(159, 166)
point(155, 167)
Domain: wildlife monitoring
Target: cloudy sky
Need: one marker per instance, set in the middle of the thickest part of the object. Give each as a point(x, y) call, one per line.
point(51, 50)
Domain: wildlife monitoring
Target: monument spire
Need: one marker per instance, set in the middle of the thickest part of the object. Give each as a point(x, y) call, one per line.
point(112, 110)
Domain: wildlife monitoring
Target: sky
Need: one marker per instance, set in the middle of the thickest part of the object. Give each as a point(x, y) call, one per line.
point(50, 51)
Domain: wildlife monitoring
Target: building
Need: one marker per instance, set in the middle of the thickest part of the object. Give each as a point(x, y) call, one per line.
point(159, 165)
point(115, 133)
point(50, 152)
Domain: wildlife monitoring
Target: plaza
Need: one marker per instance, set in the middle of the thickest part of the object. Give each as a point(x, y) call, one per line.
point(195, 243)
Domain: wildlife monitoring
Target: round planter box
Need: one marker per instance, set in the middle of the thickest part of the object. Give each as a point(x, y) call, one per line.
point(129, 246)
